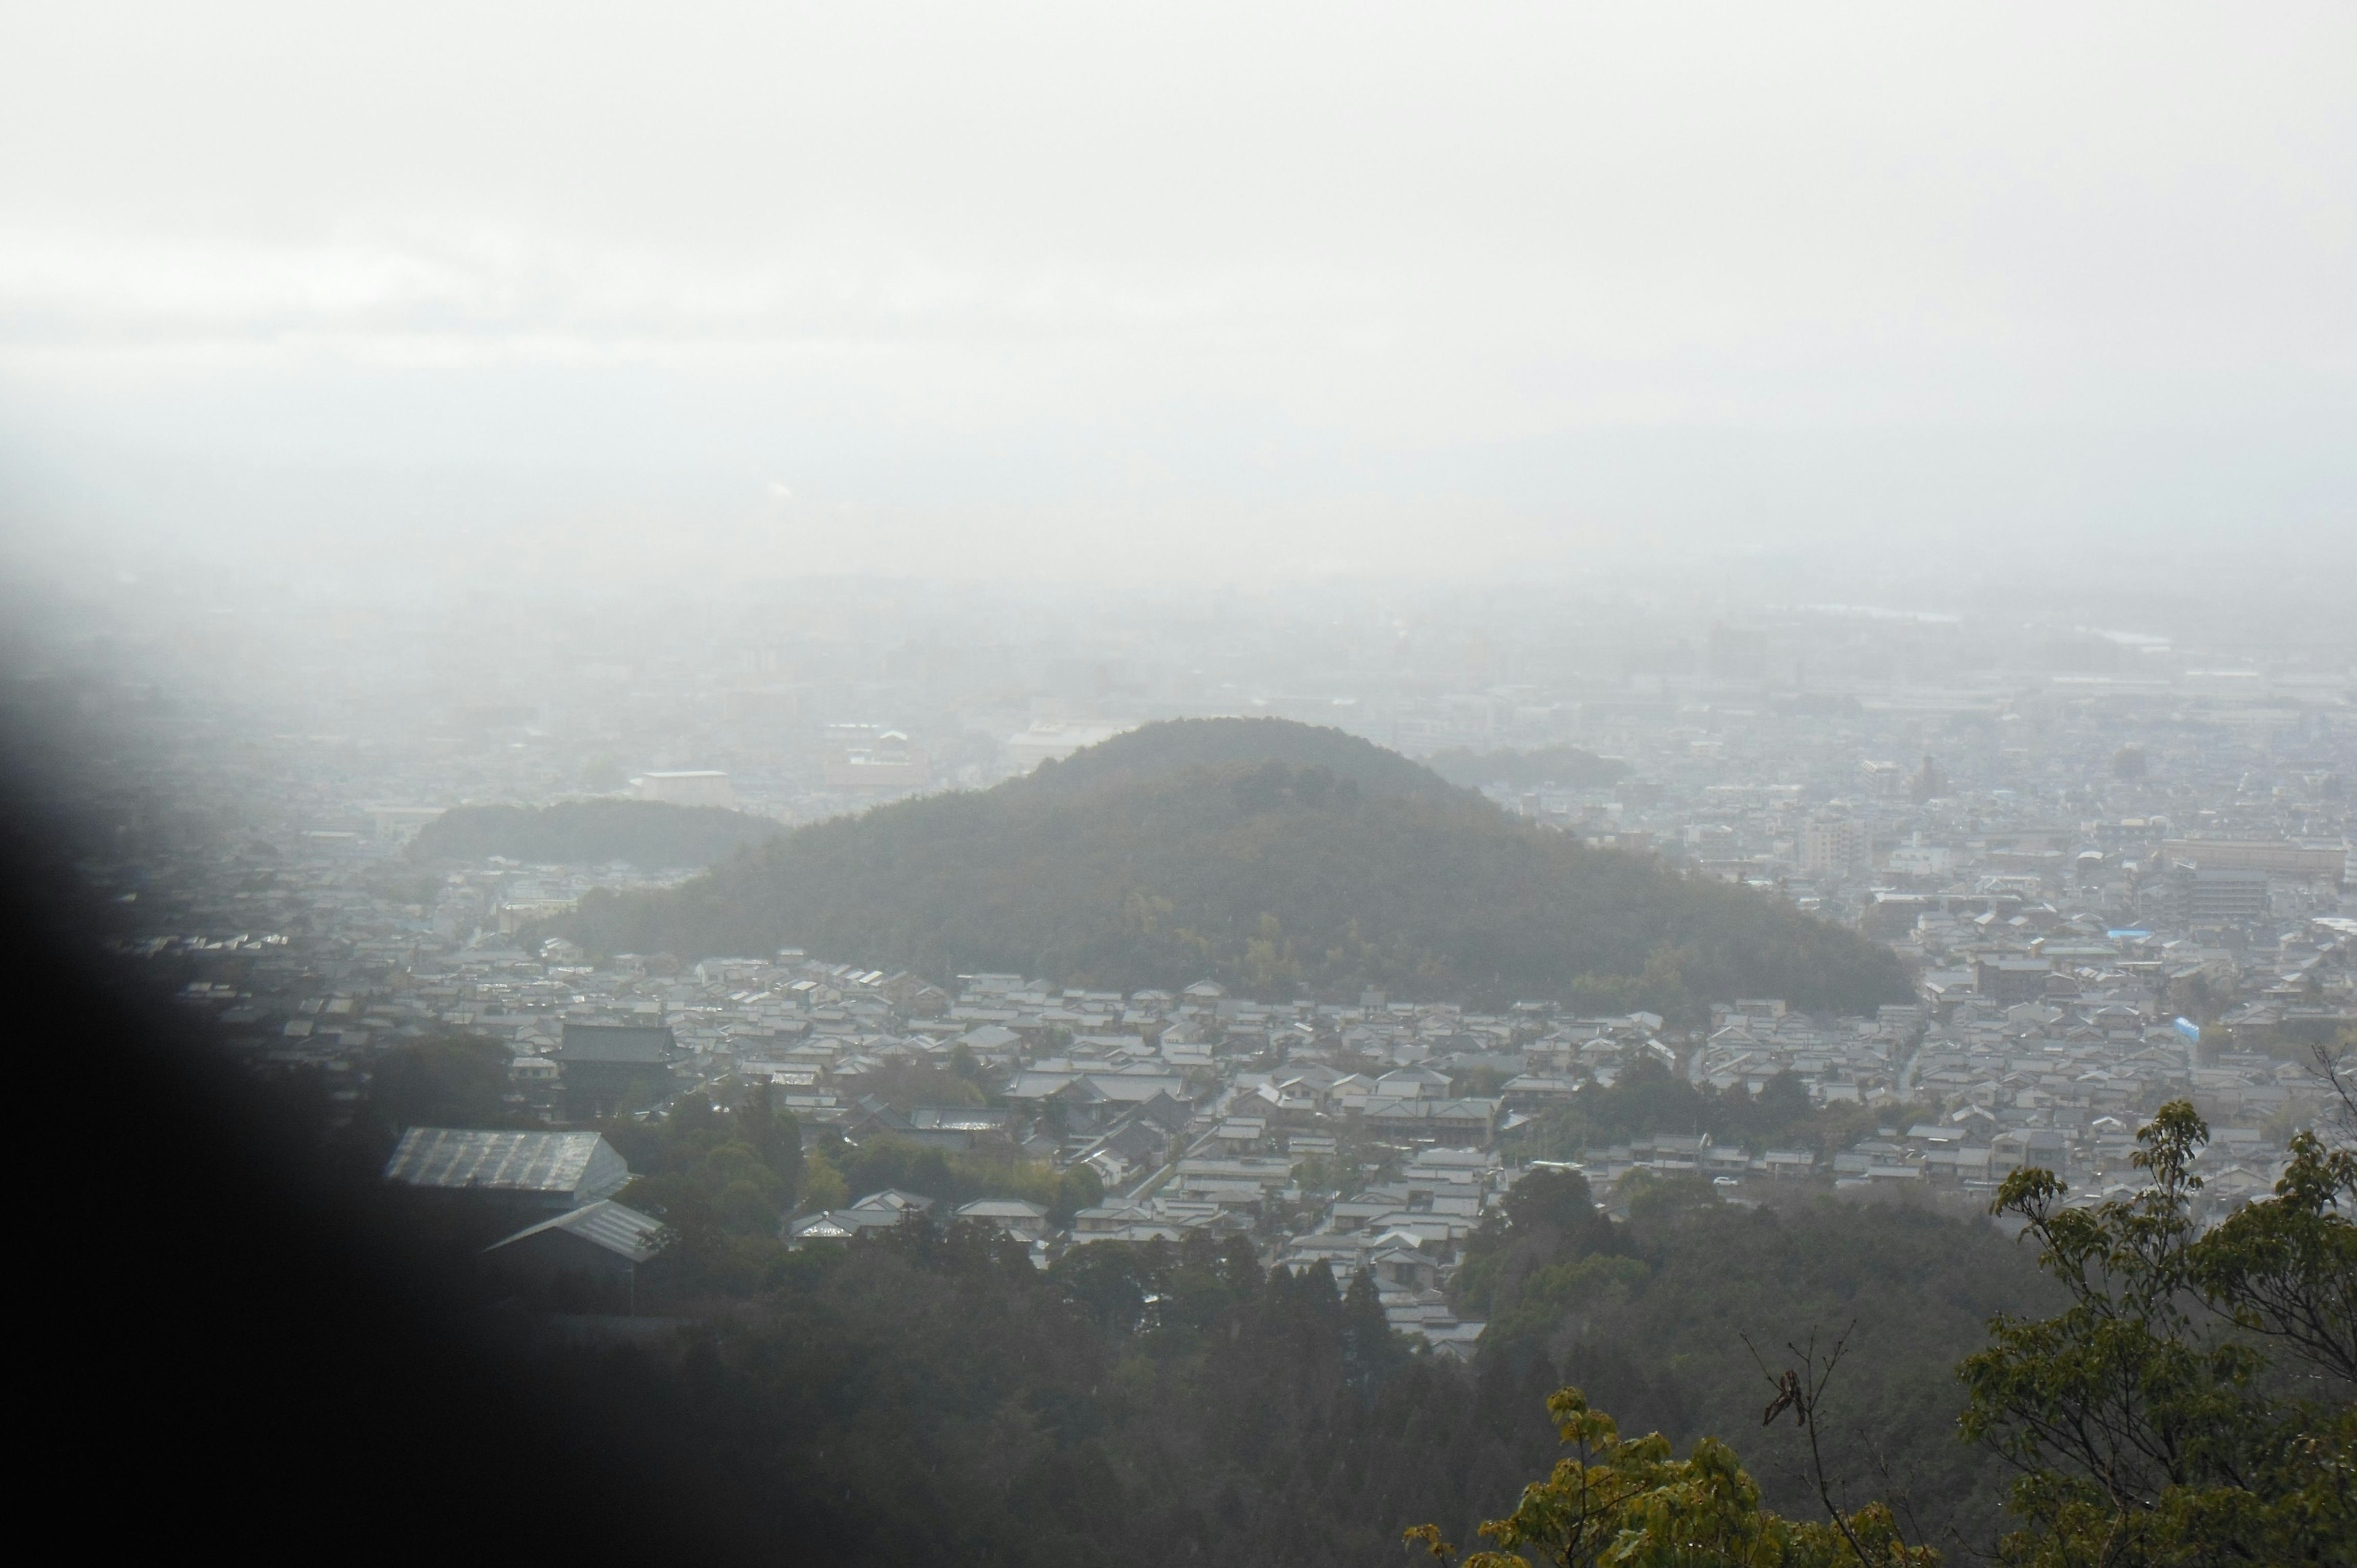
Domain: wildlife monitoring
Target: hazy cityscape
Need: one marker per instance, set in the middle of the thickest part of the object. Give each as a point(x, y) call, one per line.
point(2114, 860)
point(1322, 785)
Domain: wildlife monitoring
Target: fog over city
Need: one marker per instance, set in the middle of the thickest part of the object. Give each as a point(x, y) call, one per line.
point(1065, 783)
point(1082, 290)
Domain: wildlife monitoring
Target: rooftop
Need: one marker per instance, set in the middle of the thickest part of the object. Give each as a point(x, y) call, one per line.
point(581, 1164)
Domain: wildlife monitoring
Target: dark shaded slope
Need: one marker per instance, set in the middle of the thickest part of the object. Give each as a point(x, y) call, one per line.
point(650, 834)
point(317, 1355)
point(1270, 877)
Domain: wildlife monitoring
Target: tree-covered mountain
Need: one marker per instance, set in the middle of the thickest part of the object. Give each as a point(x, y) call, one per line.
point(650, 834)
point(1273, 856)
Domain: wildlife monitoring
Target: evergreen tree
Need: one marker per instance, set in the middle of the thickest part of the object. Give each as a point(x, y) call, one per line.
point(1369, 1349)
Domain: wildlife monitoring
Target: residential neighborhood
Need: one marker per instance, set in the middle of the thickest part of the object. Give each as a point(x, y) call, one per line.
point(2116, 866)
point(1375, 1135)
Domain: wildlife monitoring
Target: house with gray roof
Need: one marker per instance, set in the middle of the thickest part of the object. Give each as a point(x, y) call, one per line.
point(607, 1066)
point(585, 1258)
point(1019, 1218)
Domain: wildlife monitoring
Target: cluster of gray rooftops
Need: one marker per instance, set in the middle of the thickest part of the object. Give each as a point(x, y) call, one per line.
point(571, 1178)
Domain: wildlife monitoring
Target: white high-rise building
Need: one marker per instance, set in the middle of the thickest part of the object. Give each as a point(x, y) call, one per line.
point(1836, 847)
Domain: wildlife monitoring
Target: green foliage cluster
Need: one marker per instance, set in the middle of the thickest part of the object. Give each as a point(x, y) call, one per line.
point(930, 1396)
point(2193, 1402)
point(2145, 1392)
point(1173, 1364)
point(1651, 1317)
point(958, 1176)
point(713, 1174)
point(1566, 767)
point(441, 1081)
point(1275, 858)
point(650, 834)
point(1647, 1097)
point(1631, 1503)
point(916, 1083)
point(1171, 1297)
point(2197, 1401)
point(1164, 1403)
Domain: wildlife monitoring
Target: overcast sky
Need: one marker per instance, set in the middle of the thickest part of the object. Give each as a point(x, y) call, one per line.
point(1463, 288)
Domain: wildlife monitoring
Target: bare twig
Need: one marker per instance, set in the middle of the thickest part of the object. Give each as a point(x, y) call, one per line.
point(2335, 1067)
point(1817, 1384)
point(1801, 1390)
point(1901, 1498)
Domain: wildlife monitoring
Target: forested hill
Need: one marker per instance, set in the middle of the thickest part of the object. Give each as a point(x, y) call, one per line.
point(650, 834)
point(1270, 855)
point(1184, 743)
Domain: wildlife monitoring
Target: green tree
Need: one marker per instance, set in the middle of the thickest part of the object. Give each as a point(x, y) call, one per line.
point(1109, 1281)
point(449, 1080)
point(2197, 1402)
point(967, 1065)
point(1554, 1200)
point(822, 1184)
point(1630, 1502)
point(735, 1170)
point(1369, 1349)
point(1782, 1102)
point(1079, 1187)
point(775, 1136)
point(1655, 1198)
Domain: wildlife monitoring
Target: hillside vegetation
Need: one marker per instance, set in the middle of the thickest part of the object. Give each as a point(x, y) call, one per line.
point(931, 1395)
point(650, 834)
point(1650, 1317)
point(1270, 855)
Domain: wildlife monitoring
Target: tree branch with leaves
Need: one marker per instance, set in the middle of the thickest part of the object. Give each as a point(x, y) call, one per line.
point(1631, 1503)
point(2194, 1402)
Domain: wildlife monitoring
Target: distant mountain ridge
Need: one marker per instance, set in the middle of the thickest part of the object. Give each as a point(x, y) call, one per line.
point(652, 835)
point(1276, 857)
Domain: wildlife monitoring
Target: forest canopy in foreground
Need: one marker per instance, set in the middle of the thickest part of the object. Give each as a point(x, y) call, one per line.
point(930, 1395)
point(1272, 857)
point(2119, 1386)
point(652, 835)
point(2194, 1403)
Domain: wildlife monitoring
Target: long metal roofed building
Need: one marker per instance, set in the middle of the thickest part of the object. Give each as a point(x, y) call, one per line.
point(550, 1171)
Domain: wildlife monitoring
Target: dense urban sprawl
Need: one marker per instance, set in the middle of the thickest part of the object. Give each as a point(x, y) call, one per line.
point(2119, 867)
